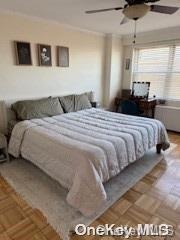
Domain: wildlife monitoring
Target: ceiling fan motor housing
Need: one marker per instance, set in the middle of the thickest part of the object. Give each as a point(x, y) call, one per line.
point(133, 2)
point(136, 11)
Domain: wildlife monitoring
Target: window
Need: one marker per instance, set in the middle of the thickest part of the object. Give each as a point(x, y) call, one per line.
point(161, 67)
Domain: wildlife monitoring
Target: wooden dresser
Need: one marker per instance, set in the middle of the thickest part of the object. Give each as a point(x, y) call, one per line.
point(146, 105)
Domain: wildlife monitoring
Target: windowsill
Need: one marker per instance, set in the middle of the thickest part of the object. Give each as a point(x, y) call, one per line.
point(172, 103)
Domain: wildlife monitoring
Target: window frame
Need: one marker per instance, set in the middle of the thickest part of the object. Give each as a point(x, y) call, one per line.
point(172, 46)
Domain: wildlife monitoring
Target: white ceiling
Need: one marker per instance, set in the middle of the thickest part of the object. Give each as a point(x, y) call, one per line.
point(72, 12)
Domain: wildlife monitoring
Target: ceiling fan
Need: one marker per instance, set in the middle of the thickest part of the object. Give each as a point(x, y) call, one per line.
point(136, 9)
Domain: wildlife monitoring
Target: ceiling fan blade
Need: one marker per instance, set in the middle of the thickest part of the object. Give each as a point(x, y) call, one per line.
point(164, 9)
point(104, 10)
point(125, 20)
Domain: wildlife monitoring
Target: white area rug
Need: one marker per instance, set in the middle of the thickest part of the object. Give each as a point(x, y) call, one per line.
point(43, 193)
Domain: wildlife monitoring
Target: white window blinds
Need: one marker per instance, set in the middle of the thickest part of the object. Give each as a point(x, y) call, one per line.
point(161, 67)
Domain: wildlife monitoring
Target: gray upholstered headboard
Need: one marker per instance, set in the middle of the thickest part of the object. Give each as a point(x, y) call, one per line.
point(6, 114)
point(3, 117)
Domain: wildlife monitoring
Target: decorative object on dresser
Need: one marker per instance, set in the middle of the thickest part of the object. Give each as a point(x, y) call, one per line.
point(3, 149)
point(44, 53)
point(23, 53)
point(63, 56)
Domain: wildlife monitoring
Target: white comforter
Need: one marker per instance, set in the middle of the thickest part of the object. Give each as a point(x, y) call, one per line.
point(83, 150)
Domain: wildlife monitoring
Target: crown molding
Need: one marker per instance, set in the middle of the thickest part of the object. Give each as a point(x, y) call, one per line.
point(50, 21)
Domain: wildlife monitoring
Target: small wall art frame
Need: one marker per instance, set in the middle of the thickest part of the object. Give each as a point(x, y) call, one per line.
point(62, 56)
point(44, 54)
point(128, 64)
point(23, 53)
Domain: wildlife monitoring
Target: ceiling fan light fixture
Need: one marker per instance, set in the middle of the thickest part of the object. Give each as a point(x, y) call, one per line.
point(136, 11)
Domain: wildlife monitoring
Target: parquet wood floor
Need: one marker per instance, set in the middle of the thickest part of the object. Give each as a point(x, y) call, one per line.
point(155, 199)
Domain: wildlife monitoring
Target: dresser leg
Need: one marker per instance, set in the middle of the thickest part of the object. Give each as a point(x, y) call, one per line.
point(158, 148)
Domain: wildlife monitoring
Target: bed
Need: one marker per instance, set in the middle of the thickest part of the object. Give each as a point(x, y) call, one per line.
point(83, 150)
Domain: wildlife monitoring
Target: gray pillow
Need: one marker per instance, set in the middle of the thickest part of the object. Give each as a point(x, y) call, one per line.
point(29, 109)
point(82, 102)
point(67, 103)
point(74, 103)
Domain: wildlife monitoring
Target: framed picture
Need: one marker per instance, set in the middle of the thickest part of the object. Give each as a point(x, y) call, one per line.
point(63, 56)
point(23, 53)
point(44, 52)
point(128, 63)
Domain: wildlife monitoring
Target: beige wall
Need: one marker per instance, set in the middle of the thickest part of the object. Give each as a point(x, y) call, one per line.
point(116, 69)
point(87, 59)
point(127, 74)
point(113, 69)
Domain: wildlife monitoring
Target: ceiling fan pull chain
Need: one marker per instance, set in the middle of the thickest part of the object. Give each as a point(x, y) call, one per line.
point(135, 32)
